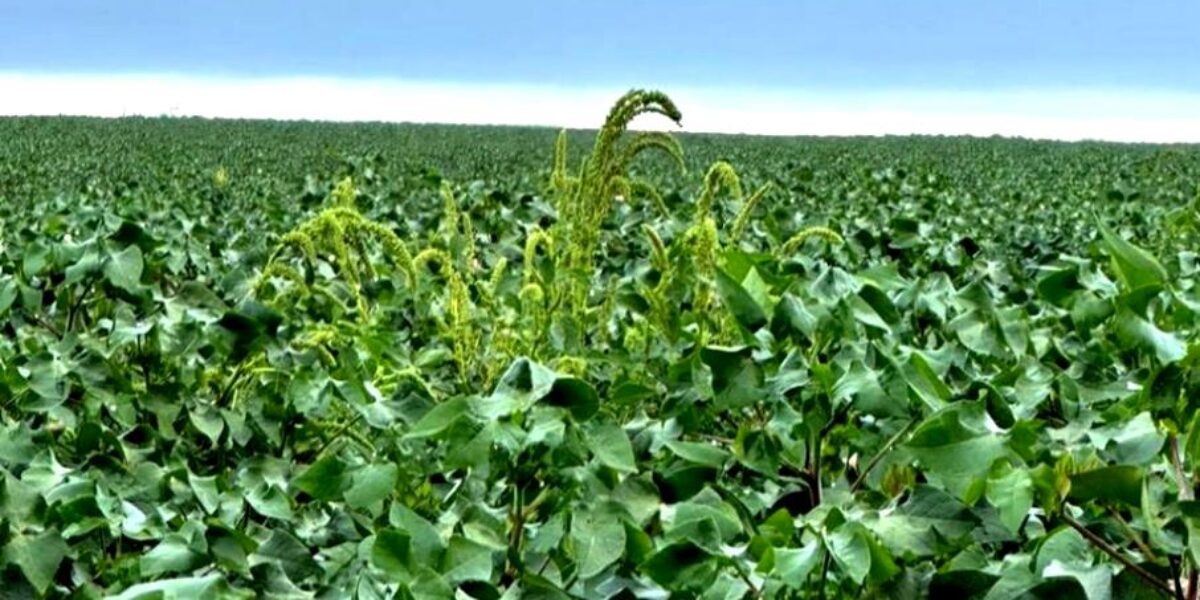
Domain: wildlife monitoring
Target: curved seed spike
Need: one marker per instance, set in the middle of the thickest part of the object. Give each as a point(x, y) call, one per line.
point(537, 237)
point(720, 176)
point(532, 293)
point(300, 240)
point(629, 106)
point(282, 271)
point(570, 365)
point(641, 188)
point(468, 233)
point(558, 176)
point(433, 255)
point(463, 336)
point(393, 246)
point(650, 140)
point(497, 278)
point(823, 233)
point(637, 102)
point(584, 201)
point(617, 186)
point(450, 214)
point(743, 217)
point(658, 250)
point(411, 373)
point(343, 193)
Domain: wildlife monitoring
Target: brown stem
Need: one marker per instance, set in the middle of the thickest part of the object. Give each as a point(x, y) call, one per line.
point(1134, 536)
point(1116, 555)
point(48, 326)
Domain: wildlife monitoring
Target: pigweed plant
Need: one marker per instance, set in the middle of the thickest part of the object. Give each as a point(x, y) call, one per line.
point(585, 199)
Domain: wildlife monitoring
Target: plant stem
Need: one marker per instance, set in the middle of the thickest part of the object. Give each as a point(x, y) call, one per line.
point(518, 533)
point(745, 577)
point(1186, 493)
point(1116, 555)
point(887, 447)
point(815, 471)
point(1134, 536)
point(1173, 563)
point(824, 575)
point(77, 304)
point(338, 434)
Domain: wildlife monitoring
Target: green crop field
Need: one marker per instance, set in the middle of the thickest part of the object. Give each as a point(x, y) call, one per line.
point(314, 360)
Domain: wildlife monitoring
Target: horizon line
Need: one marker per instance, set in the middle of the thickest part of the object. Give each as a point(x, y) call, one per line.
point(1156, 116)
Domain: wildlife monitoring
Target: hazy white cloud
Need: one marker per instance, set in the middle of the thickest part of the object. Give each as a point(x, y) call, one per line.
point(1067, 114)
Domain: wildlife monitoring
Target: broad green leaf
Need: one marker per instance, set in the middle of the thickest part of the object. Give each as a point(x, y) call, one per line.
point(392, 553)
point(745, 310)
point(89, 264)
point(793, 565)
point(920, 525)
point(172, 555)
point(290, 554)
point(124, 269)
point(638, 496)
point(205, 587)
point(206, 491)
point(439, 419)
point(1096, 581)
point(1058, 284)
point(956, 449)
point(1136, 332)
point(324, 479)
point(880, 303)
point(270, 501)
point(1063, 545)
point(465, 560)
point(858, 555)
point(1012, 494)
point(611, 447)
point(427, 544)
point(758, 449)
point(599, 540)
point(684, 518)
point(371, 484)
point(864, 313)
point(208, 422)
point(1135, 267)
point(8, 294)
point(1133, 442)
point(37, 557)
point(575, 395)
point(524, 383)
point(230, 548)
point(699, 453)
point(1122, 483)
point(681, 566)
point(736, 378)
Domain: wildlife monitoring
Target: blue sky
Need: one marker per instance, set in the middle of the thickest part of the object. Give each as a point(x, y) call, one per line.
point(835, 48)
point(831, 43)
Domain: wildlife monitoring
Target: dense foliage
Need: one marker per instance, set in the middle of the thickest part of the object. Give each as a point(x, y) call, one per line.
point(299, 360)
